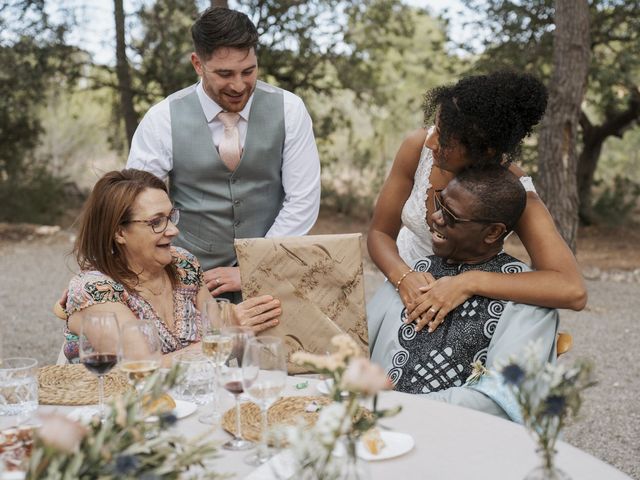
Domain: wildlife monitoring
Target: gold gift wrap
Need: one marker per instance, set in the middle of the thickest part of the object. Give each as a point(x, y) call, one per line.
point(319, 281)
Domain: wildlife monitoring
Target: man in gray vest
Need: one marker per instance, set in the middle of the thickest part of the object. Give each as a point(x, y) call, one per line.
point(239, 154)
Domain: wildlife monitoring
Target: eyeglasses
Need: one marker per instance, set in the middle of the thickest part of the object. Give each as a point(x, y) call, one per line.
point(450, 219)
point(159, 224)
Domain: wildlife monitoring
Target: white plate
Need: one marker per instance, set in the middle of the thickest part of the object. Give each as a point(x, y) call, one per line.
point(183, 409)
point(395, 444)
point(84, 414)
point(325, 386)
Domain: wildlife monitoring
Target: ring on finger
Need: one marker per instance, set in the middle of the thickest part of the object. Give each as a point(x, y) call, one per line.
point(217, 282)
point(433, 310)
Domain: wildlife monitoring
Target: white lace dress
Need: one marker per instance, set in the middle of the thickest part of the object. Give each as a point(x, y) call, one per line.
point(414, 238)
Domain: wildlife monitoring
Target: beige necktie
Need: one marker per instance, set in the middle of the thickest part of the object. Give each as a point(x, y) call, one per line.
point(229, 147)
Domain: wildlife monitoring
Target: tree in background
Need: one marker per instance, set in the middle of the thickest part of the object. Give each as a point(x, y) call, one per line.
point(124, 75)
point(558, 134)
point(385, 75)
point(33, 56)
point(519, 34)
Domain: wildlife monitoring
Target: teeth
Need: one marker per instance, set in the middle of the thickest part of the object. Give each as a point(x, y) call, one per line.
point(439, 236)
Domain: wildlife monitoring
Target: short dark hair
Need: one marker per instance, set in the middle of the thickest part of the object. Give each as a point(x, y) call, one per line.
point(218, 27)
point(489, 115)
point(502, 198)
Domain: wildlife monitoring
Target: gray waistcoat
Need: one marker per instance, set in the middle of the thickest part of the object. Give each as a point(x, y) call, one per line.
point(217, 205)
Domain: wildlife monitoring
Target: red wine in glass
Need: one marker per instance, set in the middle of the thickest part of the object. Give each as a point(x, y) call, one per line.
point(234, 387)
point(100, 364)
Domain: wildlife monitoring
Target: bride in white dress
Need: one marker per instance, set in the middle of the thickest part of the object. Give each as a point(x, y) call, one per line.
point(480, 119)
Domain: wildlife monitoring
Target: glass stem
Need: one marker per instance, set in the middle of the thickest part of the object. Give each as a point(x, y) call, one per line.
point(216, 395)
point(263, 450)
point(101, 395)
point(238, 423)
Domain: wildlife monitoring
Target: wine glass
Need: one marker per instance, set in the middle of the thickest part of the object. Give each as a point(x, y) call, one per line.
point(230, 378)
point(141, 351)
point(215, 346)
point(99, 336)
point(264, 376)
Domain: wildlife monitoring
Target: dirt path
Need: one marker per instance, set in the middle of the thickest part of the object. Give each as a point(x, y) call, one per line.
point(36, 269)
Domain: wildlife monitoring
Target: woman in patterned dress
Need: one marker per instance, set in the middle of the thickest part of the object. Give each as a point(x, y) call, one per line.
point(128, 266)
point(484, 117)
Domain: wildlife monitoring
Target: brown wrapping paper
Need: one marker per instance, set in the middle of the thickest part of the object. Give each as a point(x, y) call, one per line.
point(319, 281)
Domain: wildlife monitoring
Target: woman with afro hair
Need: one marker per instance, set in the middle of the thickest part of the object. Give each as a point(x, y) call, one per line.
point(481, 120)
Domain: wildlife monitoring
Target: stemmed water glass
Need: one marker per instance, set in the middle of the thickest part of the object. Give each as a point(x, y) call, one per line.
point(230, 378)
point(141, 351)
point(99, 337)
point(215, 346)
point(264, 377)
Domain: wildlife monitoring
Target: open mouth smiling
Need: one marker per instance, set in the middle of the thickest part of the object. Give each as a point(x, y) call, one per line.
point(437, 235)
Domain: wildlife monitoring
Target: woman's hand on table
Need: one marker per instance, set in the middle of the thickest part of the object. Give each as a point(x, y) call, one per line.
point(259, 313)
point(437, 299)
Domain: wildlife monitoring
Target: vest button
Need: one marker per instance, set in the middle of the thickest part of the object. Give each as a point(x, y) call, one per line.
point(234, 180)
point(237, 224)
point(236, 202)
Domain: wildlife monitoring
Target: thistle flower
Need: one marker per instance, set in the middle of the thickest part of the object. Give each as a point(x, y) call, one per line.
point(126, 464)
point(513, 374)
point(555, 404)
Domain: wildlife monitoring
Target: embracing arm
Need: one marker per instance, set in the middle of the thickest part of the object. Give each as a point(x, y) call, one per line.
point(555, 283)
point(386, 222)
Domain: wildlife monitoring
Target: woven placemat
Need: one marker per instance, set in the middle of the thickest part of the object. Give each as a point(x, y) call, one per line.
point(75, 385)
point(285, 411)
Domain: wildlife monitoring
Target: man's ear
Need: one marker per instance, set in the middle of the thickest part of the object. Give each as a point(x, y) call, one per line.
point(495, 233)
point(197, 65)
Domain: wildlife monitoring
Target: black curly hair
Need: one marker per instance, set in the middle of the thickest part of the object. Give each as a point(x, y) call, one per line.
point(489, 115)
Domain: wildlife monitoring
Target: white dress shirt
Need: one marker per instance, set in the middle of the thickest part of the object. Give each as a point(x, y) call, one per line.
point(151, 150)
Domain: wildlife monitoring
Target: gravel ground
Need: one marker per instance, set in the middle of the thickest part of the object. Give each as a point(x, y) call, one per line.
point(35, 270)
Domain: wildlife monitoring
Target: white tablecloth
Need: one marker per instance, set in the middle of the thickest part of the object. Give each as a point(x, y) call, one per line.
point(450, 443)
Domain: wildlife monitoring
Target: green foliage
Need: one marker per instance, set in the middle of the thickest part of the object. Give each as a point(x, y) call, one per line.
point(162, 51)
point(617, 202)
point(33, 56)
point(124, 446)
point(519, 34)
point(399, 53)
point(32, 195)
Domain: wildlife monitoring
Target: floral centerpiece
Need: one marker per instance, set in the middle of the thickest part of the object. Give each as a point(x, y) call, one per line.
point(124, 446)
point(328, 450)
point(548, 395)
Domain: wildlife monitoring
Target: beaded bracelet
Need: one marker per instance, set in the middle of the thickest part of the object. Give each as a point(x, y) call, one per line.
point(411, 270)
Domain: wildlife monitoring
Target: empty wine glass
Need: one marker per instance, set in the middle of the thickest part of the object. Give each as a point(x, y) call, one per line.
point(141, 351)
point(215, 346)
point(99, 337)
point(264, 377)
point(230, 378)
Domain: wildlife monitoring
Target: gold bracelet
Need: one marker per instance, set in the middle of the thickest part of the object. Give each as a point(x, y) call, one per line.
point(411, 270)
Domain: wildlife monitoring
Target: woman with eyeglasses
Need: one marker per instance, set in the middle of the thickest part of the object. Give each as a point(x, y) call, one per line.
point(484, 118)
point(128, 265)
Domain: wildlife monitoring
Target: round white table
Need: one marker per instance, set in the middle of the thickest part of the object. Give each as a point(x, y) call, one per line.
point(450, 443)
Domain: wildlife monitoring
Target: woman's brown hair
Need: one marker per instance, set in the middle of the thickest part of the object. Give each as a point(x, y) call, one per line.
point(106, 209)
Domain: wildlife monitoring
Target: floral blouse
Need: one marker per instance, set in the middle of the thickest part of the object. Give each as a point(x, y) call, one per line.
point(91, 287)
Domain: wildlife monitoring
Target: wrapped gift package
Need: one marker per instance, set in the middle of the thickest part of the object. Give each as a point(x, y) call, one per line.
point(319, 281)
